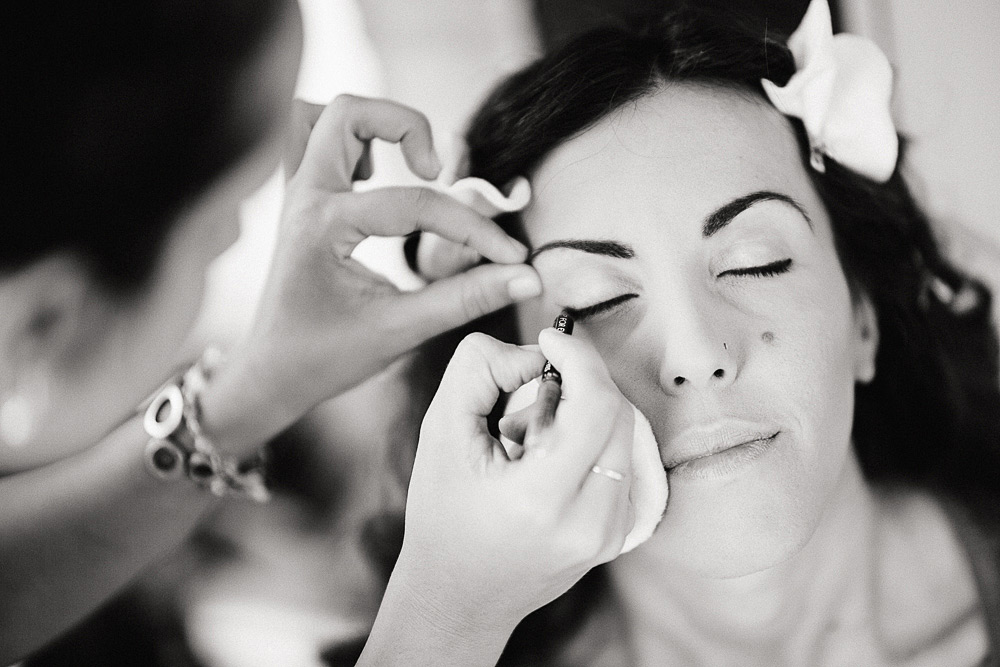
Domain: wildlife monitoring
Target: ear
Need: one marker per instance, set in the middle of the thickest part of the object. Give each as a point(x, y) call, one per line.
point(44, 307)
point(866, 337)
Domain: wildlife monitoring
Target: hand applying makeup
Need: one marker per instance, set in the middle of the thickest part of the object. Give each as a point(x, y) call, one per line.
point(489, 539)
point(326, 322)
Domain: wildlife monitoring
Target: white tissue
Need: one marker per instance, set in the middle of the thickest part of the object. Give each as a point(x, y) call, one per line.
point(488, 201)
point(649, 491)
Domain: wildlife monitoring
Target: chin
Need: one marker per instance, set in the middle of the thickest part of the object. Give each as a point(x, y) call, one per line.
point(739, 525)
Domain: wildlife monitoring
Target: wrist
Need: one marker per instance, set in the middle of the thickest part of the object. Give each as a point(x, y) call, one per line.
point(416, 625)
point(239, 406)
point(178, 446)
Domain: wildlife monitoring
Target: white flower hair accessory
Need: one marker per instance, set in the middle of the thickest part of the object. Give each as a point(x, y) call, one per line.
point(841, 93)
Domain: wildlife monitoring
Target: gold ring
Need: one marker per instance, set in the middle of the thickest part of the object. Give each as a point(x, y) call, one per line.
point(608, 472)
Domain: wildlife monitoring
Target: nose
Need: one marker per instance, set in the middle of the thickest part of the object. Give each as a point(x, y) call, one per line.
point(694, 352)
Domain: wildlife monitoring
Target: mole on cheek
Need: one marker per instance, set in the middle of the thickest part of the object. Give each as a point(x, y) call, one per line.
point(767, 337)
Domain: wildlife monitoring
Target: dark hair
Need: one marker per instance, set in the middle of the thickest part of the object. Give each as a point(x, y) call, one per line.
point(931, 417)
point(117, 114)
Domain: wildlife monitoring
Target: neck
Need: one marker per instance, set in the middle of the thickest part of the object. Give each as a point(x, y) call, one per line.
point(781, 612)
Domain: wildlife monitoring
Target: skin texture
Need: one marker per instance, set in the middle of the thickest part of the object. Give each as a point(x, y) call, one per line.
point(751, 564)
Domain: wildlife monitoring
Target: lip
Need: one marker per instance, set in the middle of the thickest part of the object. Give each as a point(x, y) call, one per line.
point(703, 441)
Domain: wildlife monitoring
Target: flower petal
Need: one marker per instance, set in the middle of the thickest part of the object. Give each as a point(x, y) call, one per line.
point(841, 93)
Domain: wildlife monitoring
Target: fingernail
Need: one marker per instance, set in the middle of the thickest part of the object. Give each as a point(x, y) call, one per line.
point(524, 287)
point(520, 248)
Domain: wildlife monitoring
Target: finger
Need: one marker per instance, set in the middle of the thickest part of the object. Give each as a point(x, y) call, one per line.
point(452, 302)
point(303, 118)
point(616, 458)
point(515, 425)
point(398, 211)
point(456, 162)
point(575, 357)
point(569, 452)
point(366, 166)
point(480, 369)
point(348, 124)
point(439, 258)
point(515, 420)
point(604, 504)
point(594, 416)
point(542, 412)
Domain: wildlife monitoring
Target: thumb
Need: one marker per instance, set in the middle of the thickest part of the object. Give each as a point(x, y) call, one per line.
point(481, 368)
point(303, 119)
point(452, 302)
point(438, 257)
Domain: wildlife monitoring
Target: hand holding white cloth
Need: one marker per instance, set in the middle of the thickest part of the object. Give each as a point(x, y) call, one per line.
point(649, 492)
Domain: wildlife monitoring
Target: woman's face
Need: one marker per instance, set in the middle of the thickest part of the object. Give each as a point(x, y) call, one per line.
point(709, 283)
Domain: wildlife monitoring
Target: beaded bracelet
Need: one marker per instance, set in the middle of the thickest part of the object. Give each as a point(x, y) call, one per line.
point(178, 447)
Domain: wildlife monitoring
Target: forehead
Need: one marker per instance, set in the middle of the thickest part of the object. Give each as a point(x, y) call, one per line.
point(677, 154)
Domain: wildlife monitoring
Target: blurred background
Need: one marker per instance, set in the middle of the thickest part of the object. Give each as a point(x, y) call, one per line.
point(281, 584)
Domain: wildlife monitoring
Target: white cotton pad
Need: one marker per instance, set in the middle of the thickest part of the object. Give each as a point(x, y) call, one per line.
point(488, 201)
point(649, 491)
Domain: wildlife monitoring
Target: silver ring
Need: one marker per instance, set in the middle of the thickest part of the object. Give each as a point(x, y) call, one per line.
point(608, 472)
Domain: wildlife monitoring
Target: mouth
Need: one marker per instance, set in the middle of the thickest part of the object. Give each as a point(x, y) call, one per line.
point(718, 450)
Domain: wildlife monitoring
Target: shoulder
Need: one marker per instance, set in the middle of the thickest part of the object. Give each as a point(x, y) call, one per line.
point(928, 608)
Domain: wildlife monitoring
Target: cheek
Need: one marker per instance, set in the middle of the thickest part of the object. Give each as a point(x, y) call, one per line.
point(800, 364)
point(807, 352)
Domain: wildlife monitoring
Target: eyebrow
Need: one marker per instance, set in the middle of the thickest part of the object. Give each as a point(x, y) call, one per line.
point(607, 248)
point(714, 222)
point(723, 215)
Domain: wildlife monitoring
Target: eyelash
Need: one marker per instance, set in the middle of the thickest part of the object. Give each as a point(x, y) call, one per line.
point(598, 308)
point(765, 271)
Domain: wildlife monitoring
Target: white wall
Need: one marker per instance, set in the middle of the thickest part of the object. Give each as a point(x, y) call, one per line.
point(946, 54)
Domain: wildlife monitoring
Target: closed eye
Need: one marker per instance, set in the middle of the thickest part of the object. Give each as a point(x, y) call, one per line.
point(597, 308)
point(767, 270)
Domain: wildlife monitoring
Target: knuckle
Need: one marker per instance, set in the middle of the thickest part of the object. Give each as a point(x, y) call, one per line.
point(475, 344)
point(423, 201)
point(476, 300)
point(344, 102)
point(418, 121)
point(338, 210)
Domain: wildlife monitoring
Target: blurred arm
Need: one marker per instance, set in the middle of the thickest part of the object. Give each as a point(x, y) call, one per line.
point(75, 532)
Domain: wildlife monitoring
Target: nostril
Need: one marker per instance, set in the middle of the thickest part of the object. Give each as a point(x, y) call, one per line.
point(678, 380)
point(719, 373)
